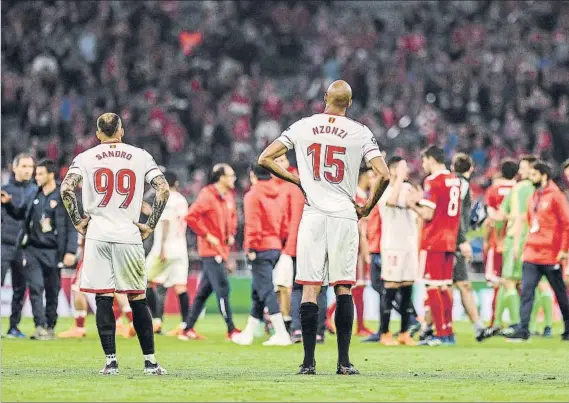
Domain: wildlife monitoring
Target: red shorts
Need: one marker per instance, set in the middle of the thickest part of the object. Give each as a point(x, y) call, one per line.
point(436, 267)
point(77, 276)
point(493, 264)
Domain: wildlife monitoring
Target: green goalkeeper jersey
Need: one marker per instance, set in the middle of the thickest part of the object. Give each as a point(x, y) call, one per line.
point(516, 204)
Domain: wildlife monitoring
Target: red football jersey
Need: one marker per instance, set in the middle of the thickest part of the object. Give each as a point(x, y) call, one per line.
point(493, 198)
point(442, 193)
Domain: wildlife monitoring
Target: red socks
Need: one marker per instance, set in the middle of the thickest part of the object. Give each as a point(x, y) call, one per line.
point(358, 295)
point(447, 301)
point(80, 321)
point(436, 303)
point(116, 311)
point(494, 300)
point(128, 316)
point(330, 311)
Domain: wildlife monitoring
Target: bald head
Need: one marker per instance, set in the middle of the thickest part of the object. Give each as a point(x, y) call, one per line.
point(339, 94)
point(109, 124)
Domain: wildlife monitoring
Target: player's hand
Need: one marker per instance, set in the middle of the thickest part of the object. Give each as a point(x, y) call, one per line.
point(69, 260)
point(6, 197)
point(466, 250)
point(562, 257)
point(82, 226)
point(213, 240)
point(218, 259)
point(402, 170)
point(361, 211)
point(367, 258)
point(251, 256)
point(144, 229)
point(230, 240)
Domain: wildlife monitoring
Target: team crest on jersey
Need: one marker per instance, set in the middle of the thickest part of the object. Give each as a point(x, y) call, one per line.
point(53, 203)
point(331, 120)
point(113, 146)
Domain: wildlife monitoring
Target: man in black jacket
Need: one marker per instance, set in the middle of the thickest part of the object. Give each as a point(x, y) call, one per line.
point(21, 187)
point(49, 241)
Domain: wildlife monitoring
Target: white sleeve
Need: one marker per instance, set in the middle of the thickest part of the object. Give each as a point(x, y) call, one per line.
point(152, 170)
point(370, 149)
point(75, 167)
point(288, 136)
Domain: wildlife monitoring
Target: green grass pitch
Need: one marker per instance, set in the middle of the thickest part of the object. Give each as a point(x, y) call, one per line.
point(217, 370)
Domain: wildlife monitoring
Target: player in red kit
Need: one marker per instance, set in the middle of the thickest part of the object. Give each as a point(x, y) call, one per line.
point(495, 226)
point(439, 208)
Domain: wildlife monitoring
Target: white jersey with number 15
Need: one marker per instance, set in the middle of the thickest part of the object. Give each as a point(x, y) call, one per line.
point(329, 151)
point(113, 185)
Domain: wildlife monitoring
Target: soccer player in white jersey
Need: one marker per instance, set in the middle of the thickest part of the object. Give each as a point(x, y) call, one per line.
point(113, 175)
point(329, 149)
point(167, 262)
point(399, 251)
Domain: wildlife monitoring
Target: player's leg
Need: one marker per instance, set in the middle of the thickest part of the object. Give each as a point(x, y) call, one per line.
point(391, 272)
point(378, 285)
point(322, 302)
point(126, 330)
point(546, 305)
point(15, 260)
point(217, 275)
point(80, 308)
point(283, 278)
point(34, 279)
point(296, 297)
point(181, 291)
point(130, 277)
point(342, 245)
point(97, 277)
point(446, 291)
point(52, 284)
point(555, 278)
point(204, 291)
point(157, 273)
point(531, 276)
point(434, 264)
point(409, 272)
point(311, 274)
point(263, 266)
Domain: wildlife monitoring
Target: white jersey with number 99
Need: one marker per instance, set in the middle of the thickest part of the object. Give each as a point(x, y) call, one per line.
point(113, 186)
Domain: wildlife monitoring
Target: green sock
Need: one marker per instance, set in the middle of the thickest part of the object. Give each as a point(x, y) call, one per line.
point(547, 305)
point(537, 302)
point(513, 303)
point(500, 306)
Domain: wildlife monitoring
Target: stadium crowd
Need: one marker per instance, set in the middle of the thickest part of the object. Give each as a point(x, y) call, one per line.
point(202, 82)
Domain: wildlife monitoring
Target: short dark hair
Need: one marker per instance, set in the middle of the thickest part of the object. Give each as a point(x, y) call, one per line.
point(20, 157)
point(394, 161)
point(509, 168)
point(461, 163)
point(171, 178)
point(109, 123)
point(434, 152)
point(566, 164)
point(49, 165)
point(530, 158)
point(543, 168)
point(261, 173)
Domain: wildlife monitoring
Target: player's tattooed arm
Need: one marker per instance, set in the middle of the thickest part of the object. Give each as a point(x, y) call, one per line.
point(162, 194)
point(70, 198)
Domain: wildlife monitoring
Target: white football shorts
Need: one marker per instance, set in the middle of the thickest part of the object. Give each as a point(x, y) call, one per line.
point(398, 265)
point(169, 273)
point(327, 250)
point(113, 267)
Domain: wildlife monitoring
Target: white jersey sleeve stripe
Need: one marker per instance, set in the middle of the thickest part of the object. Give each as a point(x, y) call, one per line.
point(286, 141)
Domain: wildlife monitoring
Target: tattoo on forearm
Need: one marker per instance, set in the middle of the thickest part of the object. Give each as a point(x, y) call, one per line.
point(162, 194)
point(70, 198)
point(380, 187)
